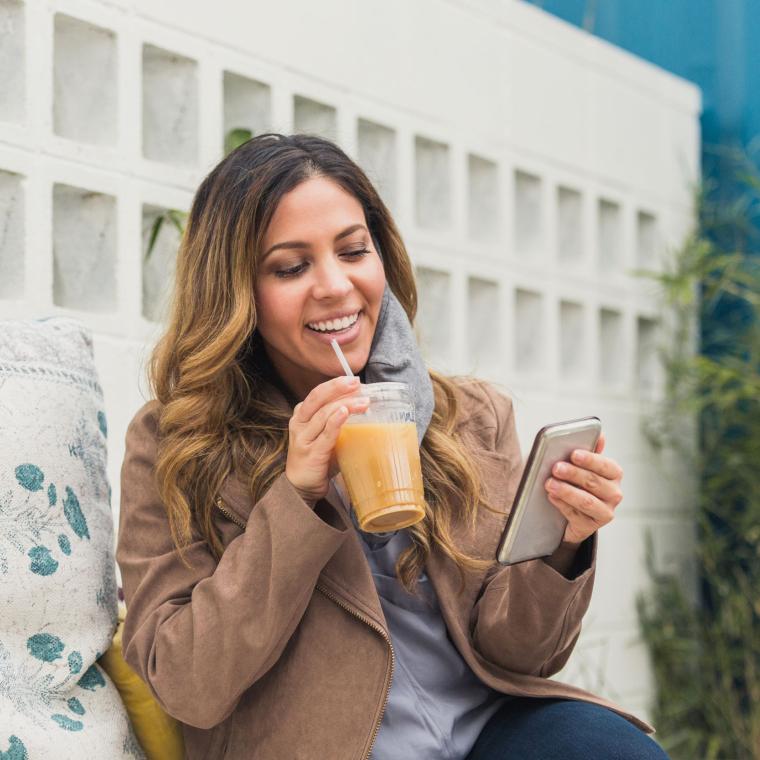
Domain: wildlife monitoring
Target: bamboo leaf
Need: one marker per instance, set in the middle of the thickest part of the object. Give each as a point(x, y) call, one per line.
point(705, 647)
point(178, 219)
point(155, 229)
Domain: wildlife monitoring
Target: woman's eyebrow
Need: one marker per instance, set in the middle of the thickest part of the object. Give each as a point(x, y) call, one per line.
point(299, 244)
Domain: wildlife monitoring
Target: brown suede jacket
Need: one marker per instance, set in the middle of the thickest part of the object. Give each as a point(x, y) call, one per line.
point(281, 650)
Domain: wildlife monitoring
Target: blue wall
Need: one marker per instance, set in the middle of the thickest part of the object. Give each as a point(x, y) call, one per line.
point(713, 43)
point(716, 45)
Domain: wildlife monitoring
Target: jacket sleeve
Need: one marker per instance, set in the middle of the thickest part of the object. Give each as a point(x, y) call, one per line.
point(199, 636)
point(528, 616)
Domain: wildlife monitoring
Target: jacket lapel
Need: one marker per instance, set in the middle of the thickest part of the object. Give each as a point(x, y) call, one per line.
point(348, 573)
point(480, 542)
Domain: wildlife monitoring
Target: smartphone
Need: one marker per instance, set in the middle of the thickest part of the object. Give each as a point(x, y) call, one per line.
point(535, 527)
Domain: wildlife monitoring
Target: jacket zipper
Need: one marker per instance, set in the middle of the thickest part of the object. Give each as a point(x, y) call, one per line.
point(374, 626)
point(220, 506)
point(389, 677)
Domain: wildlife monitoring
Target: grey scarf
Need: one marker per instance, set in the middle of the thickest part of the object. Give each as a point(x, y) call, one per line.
point(395, 357)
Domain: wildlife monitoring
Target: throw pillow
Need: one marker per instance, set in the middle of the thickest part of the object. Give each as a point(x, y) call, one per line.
point(58, 603)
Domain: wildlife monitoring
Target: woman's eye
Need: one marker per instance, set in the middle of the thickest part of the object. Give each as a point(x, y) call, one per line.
point(361, 252)
point(296, 270)
point(290, 272)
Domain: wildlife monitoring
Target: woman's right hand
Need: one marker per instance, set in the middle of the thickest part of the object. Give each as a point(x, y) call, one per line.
point(313, 432)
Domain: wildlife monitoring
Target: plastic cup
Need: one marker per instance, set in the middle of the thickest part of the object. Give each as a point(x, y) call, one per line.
point(379, 458)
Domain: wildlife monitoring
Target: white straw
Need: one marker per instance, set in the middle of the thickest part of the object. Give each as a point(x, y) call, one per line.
point(341, 358)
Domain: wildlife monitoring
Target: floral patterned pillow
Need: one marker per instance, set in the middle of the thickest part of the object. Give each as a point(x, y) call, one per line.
point(58, 599)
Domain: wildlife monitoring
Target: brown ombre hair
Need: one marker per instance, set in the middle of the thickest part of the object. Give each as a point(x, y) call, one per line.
point(208, 369)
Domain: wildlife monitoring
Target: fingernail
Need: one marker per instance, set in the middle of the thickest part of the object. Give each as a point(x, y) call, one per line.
point(551, 484)
point(580, 456)
point(350, 382)
point(561, 468)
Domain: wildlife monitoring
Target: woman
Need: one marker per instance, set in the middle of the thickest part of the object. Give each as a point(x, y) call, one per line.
point(258, 613)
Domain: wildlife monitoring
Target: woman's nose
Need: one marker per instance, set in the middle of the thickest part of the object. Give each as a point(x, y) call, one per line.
point(332, 282)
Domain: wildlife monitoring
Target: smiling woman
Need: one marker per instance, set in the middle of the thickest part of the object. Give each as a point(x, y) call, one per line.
point(323, 281)
point(260, 615)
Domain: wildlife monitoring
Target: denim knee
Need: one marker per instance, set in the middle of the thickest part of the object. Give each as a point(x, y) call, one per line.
point(560, 729)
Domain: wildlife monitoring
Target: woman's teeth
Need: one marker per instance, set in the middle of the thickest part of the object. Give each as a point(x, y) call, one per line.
point(334, 325)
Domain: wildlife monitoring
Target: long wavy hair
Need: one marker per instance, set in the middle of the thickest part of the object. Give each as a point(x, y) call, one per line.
point(208, 369)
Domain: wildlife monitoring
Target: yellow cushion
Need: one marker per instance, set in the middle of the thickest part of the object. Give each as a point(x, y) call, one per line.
point(159, 734)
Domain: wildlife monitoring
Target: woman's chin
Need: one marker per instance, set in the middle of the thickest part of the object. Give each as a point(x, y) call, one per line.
point(357, 358)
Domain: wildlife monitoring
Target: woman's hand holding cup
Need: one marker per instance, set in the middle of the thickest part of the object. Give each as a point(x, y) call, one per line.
point(313, 433)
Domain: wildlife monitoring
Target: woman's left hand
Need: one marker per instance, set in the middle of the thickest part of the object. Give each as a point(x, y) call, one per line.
point(586, 491)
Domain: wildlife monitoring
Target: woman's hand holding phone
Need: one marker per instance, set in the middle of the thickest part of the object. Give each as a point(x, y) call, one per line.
point(567, 491)
point(586, 491)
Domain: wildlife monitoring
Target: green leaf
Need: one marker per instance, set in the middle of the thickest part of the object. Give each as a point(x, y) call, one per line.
point(178, 219)
point(157, 224)
point(235, 138)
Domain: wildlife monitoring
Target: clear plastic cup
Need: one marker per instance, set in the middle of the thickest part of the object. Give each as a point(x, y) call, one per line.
point(379, 458)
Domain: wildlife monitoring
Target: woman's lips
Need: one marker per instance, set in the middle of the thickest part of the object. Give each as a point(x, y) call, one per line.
point(341, 336)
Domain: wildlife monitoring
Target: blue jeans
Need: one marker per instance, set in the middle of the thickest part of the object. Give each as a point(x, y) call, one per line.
point(561, 729)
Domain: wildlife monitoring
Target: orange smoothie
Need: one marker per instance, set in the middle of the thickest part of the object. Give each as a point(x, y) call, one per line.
point(380, 463)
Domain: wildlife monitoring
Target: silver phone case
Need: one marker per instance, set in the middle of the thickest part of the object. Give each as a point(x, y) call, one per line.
point(535, 527)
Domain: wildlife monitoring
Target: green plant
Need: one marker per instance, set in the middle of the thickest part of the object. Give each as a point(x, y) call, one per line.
point(704, 642)
point(172, 215)
point(233, 139)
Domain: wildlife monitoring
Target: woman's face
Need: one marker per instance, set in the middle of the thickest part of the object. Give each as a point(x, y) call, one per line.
point(319, 265)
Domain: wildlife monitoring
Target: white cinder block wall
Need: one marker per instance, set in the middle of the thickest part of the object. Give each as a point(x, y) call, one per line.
point(529, 165)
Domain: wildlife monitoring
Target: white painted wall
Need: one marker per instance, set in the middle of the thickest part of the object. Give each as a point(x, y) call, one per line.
point(529, 165)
